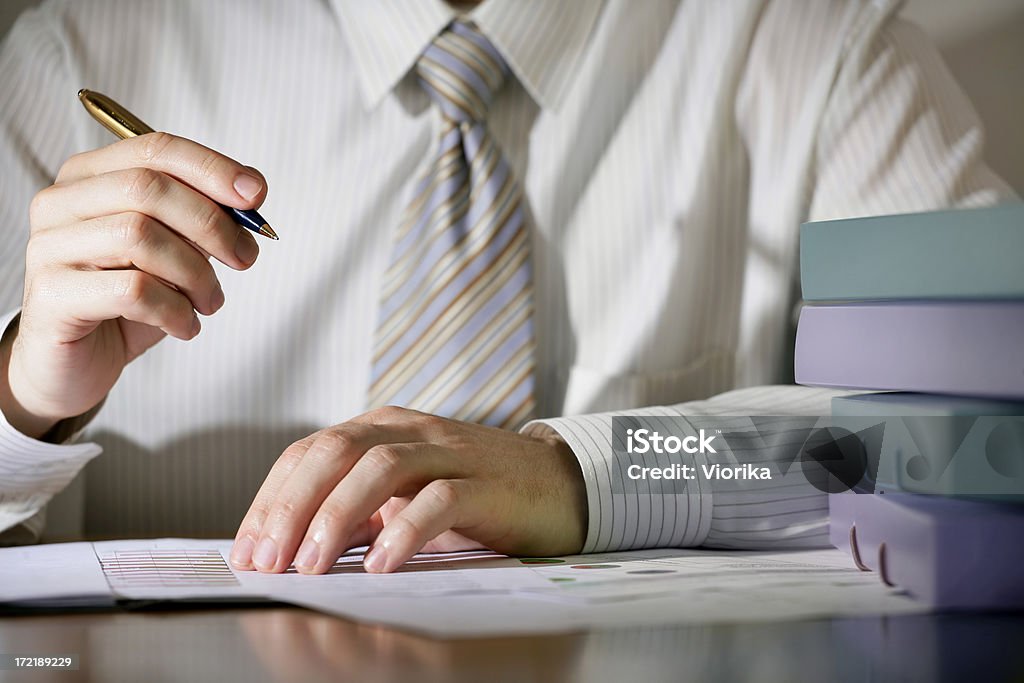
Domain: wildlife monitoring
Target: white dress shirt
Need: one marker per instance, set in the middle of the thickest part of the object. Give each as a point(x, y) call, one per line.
point(668, 151)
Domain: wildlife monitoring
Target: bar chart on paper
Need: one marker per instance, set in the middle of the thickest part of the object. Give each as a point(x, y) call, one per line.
point(171, 569)
point(165, 568)
point(104, 573)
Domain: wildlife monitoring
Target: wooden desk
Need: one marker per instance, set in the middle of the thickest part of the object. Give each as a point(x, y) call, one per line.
point(289, 644)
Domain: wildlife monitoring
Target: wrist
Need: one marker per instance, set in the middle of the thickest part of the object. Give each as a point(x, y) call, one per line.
point(576, 491)
point(17, 414)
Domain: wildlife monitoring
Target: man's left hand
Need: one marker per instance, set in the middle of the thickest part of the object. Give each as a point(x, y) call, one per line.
point(403, 481)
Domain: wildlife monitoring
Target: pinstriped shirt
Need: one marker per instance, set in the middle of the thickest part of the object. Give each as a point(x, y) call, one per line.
point(668, 150)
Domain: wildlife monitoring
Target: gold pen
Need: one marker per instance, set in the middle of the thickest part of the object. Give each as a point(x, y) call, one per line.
point(124, 124)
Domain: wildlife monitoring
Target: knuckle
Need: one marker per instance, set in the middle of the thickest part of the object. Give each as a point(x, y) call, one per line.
point(384, 460)
point(409, 528)
point(143, 185)
point(255, 518)
point(136, 229)
point(35, 252)
point(429, 421)
point(135, 287)
point(42, 280)
point(291, 456)
point(335, 441)
point(207, 218)
point(387, 414)
point(69, 165)
point(203, 277)
point(287, 509)
point(331, 516)
point(152, 146)
point(209, 164)
point(445, 492)
point(37, 208)
point(280, 515)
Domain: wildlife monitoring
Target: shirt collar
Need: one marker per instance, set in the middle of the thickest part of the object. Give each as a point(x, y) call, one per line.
point(542, 40)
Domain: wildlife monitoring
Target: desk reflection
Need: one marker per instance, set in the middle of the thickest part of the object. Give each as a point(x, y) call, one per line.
point(283, 644)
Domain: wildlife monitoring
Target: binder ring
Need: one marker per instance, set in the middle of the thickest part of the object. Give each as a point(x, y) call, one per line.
point(855, 550)
point(882, 573)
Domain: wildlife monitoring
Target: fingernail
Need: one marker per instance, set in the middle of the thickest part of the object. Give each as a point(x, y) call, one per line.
point(309, 553)
point(196, 325)
point(246, 248)
point(248, 186)
point(376, 560)
point(265, 555)
point(241, 552)
point(217, 300)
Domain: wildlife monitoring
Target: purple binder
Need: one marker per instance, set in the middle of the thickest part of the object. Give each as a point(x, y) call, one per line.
point(970, 348)
point(949, 553)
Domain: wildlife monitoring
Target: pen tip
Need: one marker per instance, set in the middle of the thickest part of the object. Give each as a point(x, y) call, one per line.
point(267, 231)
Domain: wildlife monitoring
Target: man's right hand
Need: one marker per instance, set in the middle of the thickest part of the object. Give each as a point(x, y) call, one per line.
point(118, 258)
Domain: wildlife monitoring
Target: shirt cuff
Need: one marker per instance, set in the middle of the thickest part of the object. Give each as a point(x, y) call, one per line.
point(32, 471)
point(618, 520)
point(790, 513)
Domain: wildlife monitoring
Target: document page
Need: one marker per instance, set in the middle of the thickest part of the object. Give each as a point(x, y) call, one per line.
point(470, 594)
point(190, 569)
point(55, 574)
point(635, 588)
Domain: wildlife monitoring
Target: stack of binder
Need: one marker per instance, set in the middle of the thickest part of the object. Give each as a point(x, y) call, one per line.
point(930, 307)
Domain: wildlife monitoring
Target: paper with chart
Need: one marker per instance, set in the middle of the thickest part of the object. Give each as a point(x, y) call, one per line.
point(649, 574)
point(467, 594)
point(170, 569)
point(635, 588)
point(188, 569)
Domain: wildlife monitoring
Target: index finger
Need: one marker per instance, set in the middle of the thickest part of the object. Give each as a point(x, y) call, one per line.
point(298, 481)
point(217, 176)
point(249, 529)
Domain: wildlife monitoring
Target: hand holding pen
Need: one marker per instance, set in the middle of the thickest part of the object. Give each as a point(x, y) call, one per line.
point(124, 125)
point(117, 258)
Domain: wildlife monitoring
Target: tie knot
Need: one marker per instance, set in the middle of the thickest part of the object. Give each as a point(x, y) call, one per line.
point(461, 71)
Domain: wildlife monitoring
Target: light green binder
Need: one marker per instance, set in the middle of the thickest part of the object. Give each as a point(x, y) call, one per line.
point(958, 254)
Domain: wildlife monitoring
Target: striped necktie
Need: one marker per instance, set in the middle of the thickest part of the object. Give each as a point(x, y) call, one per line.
point(455, 332)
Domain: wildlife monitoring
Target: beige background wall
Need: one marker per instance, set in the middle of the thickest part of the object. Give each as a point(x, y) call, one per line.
point(982, 41)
